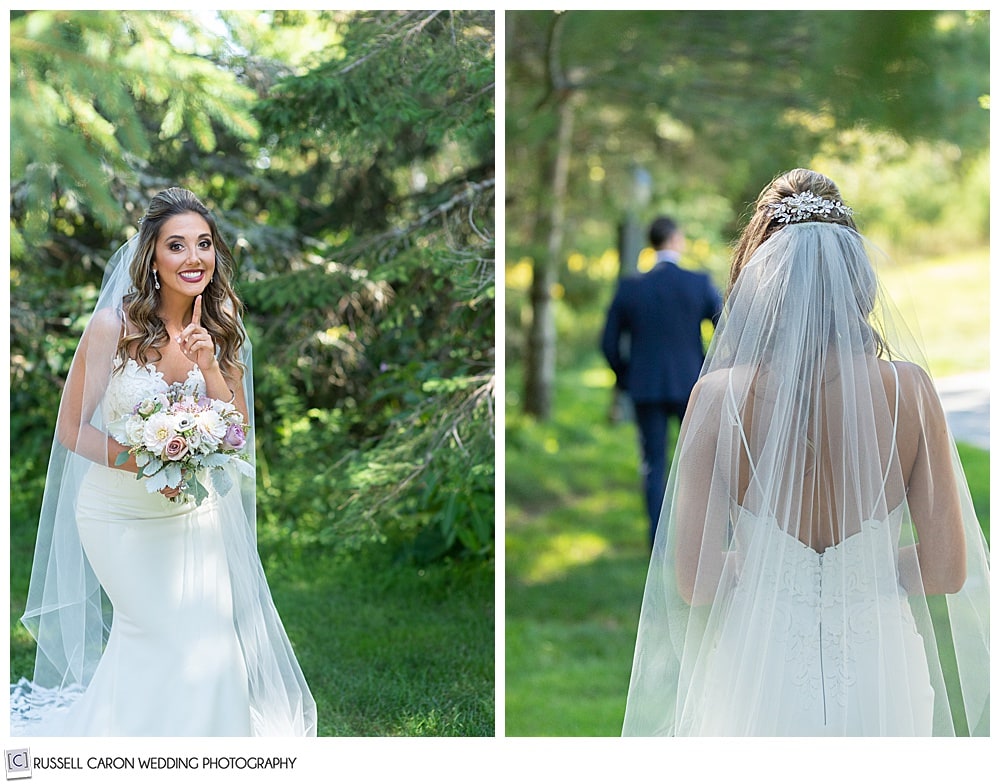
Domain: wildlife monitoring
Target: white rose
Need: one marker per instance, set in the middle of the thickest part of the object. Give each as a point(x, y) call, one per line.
point(134, 427)
point(118, 429)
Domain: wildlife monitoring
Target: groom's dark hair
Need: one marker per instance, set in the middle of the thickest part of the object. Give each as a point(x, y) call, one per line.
point(661, 230)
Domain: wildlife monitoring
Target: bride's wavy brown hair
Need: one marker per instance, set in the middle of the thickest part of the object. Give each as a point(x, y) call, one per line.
point(221, 308)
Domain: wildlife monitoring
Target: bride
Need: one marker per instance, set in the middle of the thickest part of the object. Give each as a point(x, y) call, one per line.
point(151, 611)
point(819, 569)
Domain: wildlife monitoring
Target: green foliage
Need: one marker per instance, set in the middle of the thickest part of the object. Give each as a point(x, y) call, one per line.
point(920, 74)
point(916, 199)
point(363, 240)
point(419, 78)
point(91, 92)
point(714, 103)
point(391, 324)
point(400, 393)
point(403, 98)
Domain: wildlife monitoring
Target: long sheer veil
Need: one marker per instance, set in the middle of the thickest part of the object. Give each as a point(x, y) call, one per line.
point(67, 612)
point(815, 482)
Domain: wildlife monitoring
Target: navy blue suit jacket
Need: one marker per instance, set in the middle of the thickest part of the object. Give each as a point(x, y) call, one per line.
point(652, 337)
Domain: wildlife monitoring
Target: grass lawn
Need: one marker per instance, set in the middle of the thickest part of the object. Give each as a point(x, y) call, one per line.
point(576, 558)
point(393, 650)
point(946, 304)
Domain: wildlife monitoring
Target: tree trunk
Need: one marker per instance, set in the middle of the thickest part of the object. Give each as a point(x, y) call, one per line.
point(540, 370)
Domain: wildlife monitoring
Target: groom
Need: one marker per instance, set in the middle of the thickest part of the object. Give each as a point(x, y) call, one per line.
point(652, 341)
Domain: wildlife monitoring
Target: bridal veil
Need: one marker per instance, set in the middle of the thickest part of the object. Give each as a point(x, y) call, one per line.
point(817, 539)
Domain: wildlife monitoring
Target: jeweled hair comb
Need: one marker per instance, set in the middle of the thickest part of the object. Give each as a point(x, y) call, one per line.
point(802, 206)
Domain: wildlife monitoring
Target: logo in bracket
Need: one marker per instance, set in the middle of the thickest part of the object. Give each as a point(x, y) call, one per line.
point(18, 764)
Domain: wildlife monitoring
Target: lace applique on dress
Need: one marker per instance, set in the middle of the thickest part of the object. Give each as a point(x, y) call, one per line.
point(834, 603)
point(136, 382)
point(29, 703)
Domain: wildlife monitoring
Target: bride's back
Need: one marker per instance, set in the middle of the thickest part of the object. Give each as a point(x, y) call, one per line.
point(846, 463)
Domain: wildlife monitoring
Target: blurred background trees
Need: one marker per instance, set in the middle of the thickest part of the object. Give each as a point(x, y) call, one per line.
point(693, 112)
point(349, 158)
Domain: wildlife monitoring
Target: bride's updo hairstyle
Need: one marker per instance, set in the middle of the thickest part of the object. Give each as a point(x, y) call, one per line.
point(806, 196)
point(221, 307)
point(764, 222)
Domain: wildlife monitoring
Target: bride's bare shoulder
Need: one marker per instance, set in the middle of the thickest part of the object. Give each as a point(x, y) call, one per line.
point(711, 384)
point(714, 385)
point(919, 404)
point(913, 379)
point(105, 325)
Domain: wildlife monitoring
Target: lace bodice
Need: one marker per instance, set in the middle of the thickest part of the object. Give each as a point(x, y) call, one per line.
point(136, 382)
point(828, 605)
point(860, 564)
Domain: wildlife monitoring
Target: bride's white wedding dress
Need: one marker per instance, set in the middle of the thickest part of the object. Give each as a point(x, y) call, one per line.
point(835, 652)
point(818, 568)
point(838, 647)
point(149, 617)
point(172, 665)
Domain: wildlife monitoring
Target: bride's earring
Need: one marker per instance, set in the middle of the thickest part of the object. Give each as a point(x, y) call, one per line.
point(156, 279)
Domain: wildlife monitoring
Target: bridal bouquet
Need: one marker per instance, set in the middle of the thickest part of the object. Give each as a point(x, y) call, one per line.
point(182, 440)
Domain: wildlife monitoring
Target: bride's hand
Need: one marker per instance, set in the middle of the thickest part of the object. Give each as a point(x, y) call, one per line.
point(171, 492)
point(195, 341)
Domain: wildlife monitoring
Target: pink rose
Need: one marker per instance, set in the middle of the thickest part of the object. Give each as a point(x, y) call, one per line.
point(235, 438)
point(175, 448)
